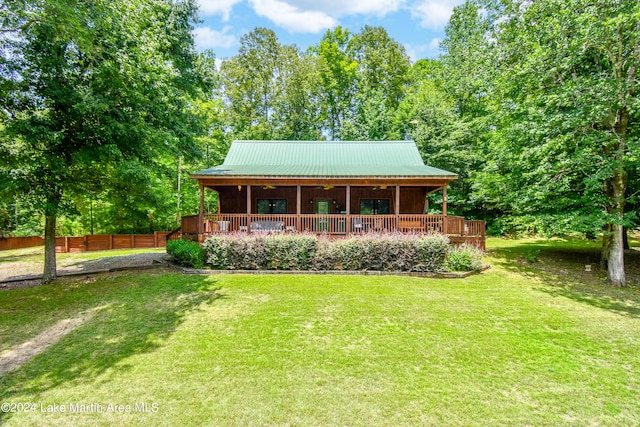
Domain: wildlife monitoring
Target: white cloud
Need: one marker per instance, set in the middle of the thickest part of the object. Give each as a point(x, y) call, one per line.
point(208, 38)
point(434, 14)
point(217, 7)
point(337, 8)
point(434, 44)
point(293, 18)
point(415, 52)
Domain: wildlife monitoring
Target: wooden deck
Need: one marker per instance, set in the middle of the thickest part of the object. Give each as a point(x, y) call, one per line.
point(458, 229)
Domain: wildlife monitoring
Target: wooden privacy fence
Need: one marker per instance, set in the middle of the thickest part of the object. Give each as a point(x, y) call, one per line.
point(95, 242)
point(7, 243)
point(103, 242)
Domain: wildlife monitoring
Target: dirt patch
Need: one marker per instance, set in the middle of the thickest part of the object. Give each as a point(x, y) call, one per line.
point(21, 354)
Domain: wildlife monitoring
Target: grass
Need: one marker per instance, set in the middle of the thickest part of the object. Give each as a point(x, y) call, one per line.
point(521, 344)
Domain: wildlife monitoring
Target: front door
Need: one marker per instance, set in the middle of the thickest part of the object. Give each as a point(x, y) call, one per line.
point(323, 207)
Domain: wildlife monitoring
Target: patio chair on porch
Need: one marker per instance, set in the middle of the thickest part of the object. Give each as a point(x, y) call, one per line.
point(358, 225)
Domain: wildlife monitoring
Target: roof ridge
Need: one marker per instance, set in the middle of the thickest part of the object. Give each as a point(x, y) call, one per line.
point(398, 141)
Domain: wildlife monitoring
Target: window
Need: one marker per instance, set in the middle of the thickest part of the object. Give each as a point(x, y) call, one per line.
point(374, 207)
point(272, 206)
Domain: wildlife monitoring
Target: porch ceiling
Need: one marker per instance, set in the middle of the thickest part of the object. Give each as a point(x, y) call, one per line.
point(230, 181)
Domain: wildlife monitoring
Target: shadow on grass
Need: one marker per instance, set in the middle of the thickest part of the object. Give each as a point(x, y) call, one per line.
point(134, 314)
point(561, 271)
point(130, 260)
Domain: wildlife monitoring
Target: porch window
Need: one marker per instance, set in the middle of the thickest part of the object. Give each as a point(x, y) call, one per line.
point(272, 206)
point(374, 206)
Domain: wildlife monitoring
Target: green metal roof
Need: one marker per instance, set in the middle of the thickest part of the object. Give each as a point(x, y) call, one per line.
point(324, 158)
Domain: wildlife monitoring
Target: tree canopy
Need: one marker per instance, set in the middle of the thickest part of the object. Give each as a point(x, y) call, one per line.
point(95, 93)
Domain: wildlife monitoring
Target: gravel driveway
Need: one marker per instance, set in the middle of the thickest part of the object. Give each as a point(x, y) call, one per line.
point(28, 265)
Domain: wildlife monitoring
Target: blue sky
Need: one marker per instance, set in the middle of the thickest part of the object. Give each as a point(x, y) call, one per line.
point(416, 24)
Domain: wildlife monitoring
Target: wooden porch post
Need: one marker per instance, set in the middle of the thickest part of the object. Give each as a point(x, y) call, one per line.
point(444, 200)
point(298, 207)
point(201, 216)
point(348, 210)
point(397, 207)
point(248, 203)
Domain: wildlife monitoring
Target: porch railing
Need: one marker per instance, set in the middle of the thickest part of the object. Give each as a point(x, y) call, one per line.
point(335, 224)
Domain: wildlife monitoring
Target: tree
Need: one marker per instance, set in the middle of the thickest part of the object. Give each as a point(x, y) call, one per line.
point(297, 111)
point(446, 140)
point(383, 64)
point(338, 72)
point(566, 92)
point(454, 106)
point(89, 89)
point(250, 81)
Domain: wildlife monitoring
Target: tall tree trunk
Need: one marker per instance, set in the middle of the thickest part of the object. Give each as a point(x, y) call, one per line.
point(615, 265)
point(616, 189)
point(50, 272)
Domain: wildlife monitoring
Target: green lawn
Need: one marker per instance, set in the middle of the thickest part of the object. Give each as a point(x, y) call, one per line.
point(521, 344)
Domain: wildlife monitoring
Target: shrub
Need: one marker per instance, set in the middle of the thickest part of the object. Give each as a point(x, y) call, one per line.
point(431, 253)
point(380, 252)
point(216, 249)
point(384, 252)
point(186, 253)
point(464, 258)
point(325, 255)
point(290, 252)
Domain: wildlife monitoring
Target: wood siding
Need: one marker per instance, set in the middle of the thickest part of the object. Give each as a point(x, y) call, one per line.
point(232, 200)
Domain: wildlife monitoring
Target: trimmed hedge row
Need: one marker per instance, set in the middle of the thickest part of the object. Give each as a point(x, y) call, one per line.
point(378, 252)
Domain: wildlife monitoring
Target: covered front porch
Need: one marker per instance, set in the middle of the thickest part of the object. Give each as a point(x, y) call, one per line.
point(334, 210)
point(459, 230)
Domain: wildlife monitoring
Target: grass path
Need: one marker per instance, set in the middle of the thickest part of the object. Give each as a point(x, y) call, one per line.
point(518, 345)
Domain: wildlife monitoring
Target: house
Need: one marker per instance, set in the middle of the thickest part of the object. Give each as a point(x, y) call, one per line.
point(333, 187)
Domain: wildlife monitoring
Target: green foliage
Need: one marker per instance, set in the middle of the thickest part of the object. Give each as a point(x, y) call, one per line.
point(379, 252)
point(554, 89)
point(97, 94)
point(186, 253)
point(347, 87)
point(464, 258)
